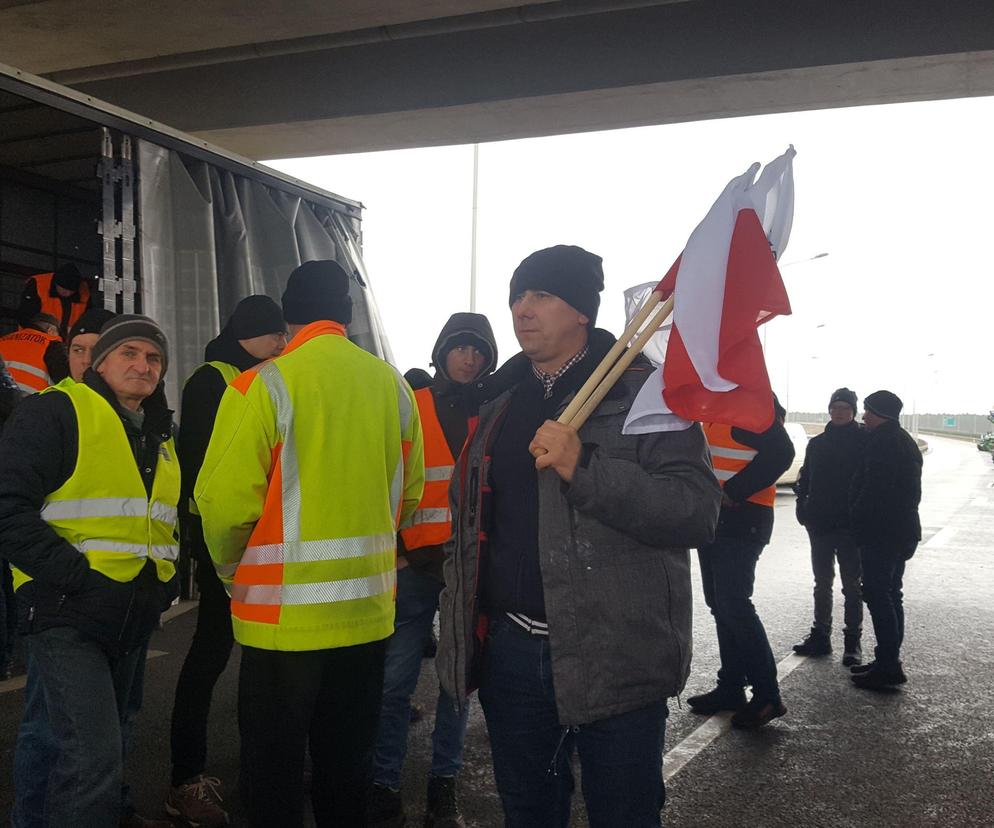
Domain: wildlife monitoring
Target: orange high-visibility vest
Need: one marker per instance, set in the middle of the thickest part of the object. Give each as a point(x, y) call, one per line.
point(24, 353)
point(431, 523)
point(729, 457)
point(53, 304)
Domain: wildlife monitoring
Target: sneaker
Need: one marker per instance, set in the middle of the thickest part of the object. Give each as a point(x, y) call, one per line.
point(757, 713)
point(707, 704)
point(197, 802)
point(852, 653)
point(880, 678)
point(385, 808)
point(442, 809)
point(816, 643)
point(137, 821)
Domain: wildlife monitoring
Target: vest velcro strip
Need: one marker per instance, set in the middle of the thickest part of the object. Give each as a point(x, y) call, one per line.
point(319, 592)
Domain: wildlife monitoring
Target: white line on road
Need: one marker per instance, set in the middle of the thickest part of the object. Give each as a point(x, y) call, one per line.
point(178, 609)
point(713, 727)
point(18, 682)
point(941, 538)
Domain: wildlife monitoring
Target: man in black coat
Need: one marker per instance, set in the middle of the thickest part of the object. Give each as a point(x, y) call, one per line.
point(883, 504)
point(255, 332)
point(822, 488)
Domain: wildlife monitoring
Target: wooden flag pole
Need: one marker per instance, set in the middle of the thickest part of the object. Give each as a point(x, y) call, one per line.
point(650, 304)
point(597, 395)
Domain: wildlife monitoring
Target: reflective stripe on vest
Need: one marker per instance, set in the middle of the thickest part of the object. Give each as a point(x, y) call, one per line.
point(324, 579)
point(431, 523)
point(729, 457)
point(24, 353)
point(52, 305)
point(228, 372)
point(102, 509)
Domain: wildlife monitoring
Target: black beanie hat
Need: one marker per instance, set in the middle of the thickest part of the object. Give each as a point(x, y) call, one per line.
point(846, 396)
point(256, 316)
point(884, 404)
point(317, 290)
point(125, 328)
point(567, 271)
point(67, 276)
point(91, 322)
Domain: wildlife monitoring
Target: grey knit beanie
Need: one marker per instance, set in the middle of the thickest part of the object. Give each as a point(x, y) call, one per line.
point(125, 328)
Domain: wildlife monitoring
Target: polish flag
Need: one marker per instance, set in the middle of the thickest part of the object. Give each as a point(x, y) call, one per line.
point(725, 284)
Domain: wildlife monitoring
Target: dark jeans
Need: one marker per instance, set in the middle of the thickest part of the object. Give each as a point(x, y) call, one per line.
point(75, 738)
point(417, 603)
point(205, 661)
point(883, 581)
point(728, 572)
point(328, 700)
point(620, 757)
point(825, 548)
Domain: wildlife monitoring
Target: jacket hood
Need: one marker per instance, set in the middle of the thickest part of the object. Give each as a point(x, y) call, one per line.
point(459, 324)
point(225, 348)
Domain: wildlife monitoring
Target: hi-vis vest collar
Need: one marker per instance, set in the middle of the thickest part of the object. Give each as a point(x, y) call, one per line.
point(431, 524)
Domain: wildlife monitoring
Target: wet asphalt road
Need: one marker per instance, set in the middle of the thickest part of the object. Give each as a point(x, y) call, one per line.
point(920, 756)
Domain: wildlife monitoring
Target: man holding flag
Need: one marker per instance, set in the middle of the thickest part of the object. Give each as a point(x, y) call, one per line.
point(568, 597)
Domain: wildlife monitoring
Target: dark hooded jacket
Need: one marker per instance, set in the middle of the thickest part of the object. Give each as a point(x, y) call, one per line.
point(612, 551)
point(38, 454)
point(454, 407)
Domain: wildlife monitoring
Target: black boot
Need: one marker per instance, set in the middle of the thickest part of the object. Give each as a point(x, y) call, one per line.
point(442, 808)
point(852, 651)
point(721, 698)
point(816, 643)
point(385, 808)
point(880, 678)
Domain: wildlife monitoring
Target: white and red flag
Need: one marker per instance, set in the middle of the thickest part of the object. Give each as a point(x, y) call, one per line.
point(725, 284)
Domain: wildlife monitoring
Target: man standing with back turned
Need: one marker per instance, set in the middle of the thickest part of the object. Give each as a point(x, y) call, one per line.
point(316, 458)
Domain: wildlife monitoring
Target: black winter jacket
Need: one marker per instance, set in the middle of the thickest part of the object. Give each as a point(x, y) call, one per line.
point(38, 454)
point(887, 488)
point(830, 463)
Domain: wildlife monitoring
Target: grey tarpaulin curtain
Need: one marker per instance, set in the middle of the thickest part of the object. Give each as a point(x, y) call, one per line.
point(209, 237)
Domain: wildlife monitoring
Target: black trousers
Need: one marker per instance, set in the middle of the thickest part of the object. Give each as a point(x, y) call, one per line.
point(328, 700)
point(883, 591)
point(206, 660)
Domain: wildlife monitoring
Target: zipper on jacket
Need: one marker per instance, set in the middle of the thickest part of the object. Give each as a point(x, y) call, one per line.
point(474, 491)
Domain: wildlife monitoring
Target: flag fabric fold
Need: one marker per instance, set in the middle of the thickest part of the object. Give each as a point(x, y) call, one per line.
point(725, 284)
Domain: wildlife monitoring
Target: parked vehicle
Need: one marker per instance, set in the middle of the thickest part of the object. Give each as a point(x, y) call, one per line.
point(799, 438)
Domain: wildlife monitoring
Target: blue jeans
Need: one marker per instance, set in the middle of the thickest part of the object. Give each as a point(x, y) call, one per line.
point(417, 603)
point(620, 757)
point(728, 572)
point(68, 768)
point(883, 583)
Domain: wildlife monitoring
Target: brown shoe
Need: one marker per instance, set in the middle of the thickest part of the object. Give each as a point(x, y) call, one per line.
point(197, 803)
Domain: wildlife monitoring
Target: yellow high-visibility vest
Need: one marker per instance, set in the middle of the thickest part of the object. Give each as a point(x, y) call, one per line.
point(315, 458)
point(228, 372)
point(103, 509)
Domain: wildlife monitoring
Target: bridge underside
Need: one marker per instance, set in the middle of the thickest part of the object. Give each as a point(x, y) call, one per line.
point(299, 83)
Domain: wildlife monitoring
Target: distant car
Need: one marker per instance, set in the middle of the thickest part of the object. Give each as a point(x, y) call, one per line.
point(799, 437)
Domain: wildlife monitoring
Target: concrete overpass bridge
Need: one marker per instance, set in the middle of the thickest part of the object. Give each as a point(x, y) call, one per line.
point(313, 77)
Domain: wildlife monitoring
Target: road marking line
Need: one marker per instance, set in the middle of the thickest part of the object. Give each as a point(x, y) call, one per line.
point(713, 727)
point(942, 537)
point(18, 682)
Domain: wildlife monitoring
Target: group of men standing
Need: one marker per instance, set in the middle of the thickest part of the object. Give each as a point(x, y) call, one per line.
point(332, 510)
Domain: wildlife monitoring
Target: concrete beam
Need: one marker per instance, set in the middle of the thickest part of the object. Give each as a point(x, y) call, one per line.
point(658, 64)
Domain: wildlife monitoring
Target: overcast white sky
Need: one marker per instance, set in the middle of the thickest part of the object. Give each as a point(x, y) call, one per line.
point(899, 196)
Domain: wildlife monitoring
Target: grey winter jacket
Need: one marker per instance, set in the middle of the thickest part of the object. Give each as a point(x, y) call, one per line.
point(614, 556)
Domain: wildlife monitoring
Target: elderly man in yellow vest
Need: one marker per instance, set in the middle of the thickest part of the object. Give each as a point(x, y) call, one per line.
point(315, 459)
point(89, 483)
